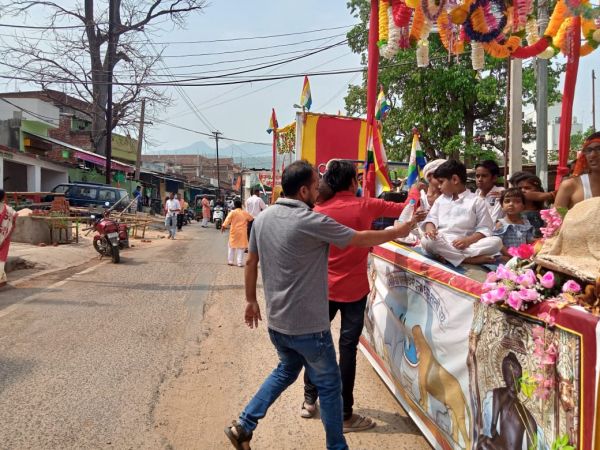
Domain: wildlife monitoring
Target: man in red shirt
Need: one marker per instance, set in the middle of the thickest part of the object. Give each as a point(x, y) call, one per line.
point(348, 279)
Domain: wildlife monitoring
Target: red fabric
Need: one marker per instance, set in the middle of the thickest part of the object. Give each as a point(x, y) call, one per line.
point(348, 279)
point(564, 138)
point(337, 137)
point(531, 50)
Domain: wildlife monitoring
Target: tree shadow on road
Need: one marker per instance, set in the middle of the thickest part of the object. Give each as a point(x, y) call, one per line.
point(13, 370)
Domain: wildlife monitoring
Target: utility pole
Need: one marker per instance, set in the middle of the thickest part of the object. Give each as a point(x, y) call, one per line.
point(593, 100)
point(217, 134)
point(541, 107)
point(109, 63)
point(515, 160)
point(138, 162)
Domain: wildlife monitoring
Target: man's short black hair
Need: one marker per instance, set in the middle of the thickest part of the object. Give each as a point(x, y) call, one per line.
point(237, 203)
point(595, 135)
point(2, 194)
point(339, 175)
point(256, 192)
point(512, 193)
point(139, 187)
point(490, 165)
point(452, 167)
point(296, 175)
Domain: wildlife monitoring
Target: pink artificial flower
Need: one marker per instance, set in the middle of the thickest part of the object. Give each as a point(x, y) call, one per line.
point(502, 273)
point(514, 300)
point(538, 332)
point(486, 287)
point(529, 295)
point(571, 286)
point(523, 251)
point(487, 299)
point(491, 277)
point(548, 280)
point(527, 279)
point(499, 294)
point(548, 318)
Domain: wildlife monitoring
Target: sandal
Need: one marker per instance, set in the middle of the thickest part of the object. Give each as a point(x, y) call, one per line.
point(359, 423)
point(238, 436)
point(308, 410)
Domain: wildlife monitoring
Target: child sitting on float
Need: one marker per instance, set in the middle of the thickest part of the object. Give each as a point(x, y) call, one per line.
point(528, 183)
point(459, 227)
point(513, 228)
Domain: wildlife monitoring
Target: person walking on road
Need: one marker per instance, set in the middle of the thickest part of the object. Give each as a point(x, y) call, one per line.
point(254, 205)
point(8, 220)
point(205, 212)
point(172, 208)
point(238, 219)
point(348, 280)
point(137, 194)
point(294, 242)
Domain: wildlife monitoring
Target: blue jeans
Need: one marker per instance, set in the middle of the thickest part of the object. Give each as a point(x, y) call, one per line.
point(316, 353)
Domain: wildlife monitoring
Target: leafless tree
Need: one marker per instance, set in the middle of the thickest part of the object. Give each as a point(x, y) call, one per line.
point(73, 54)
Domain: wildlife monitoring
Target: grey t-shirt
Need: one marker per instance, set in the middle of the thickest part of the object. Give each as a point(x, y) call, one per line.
point(292, 243)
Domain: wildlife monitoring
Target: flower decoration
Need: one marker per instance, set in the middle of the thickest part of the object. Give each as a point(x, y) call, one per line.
point(572, 287)
point(548, 280)
point(523, 251)
point(553, 220)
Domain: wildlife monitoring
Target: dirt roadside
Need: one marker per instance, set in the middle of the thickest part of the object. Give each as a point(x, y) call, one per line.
point(225, 365)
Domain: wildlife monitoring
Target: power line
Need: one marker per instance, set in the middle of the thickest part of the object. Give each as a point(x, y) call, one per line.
point(41, 27)
point(291, 44)
point(210, 135)
point(207, 41)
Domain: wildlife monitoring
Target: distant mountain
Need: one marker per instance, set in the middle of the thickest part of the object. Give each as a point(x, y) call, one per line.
point(248, 155)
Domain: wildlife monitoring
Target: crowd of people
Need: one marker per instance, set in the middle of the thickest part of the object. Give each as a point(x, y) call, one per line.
point(316, 239)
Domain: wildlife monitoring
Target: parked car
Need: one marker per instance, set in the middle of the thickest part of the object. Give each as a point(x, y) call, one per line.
point(92, 195)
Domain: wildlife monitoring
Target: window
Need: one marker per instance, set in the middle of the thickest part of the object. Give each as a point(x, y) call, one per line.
point(88, 193)
point(61, 188)
point(107, 195)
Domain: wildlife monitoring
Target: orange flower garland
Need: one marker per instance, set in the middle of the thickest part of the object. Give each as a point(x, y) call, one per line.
point(497, 50)
point(557, 18)
point(418, 25)
point(445, 30)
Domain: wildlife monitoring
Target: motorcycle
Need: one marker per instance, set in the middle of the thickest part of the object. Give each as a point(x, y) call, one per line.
point(110, 237)
point(218, 215)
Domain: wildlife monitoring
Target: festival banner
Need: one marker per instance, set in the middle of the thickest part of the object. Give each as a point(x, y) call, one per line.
point(325, 137)
point(465, 371)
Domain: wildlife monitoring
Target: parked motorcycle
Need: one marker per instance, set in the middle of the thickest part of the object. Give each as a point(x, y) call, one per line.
point(218, 216)
point(110, 237)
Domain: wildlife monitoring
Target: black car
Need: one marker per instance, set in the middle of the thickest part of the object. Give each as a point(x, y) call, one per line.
point(93, 195)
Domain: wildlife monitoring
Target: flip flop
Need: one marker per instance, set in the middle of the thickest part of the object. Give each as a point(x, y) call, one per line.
point(238, 436)
point(359, 423)
point(308, 411)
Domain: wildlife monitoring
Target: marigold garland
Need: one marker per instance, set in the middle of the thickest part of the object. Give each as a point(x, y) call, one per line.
point(402, 13)
point(476, 26)
point(497, 50)
point(383, 22)
point(418, 26)
point(453, 45)
point(432, 17)
point(557, 18)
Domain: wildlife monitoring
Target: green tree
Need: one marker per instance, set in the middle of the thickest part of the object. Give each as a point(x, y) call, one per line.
point(458, 111)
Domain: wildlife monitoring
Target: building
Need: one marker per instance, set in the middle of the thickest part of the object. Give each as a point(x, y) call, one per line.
point(197, 169)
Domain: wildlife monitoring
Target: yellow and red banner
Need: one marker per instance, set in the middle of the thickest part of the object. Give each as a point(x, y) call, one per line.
point(325, 137)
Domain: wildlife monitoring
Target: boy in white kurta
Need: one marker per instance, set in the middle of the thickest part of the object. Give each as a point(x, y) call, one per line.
point(459, 227)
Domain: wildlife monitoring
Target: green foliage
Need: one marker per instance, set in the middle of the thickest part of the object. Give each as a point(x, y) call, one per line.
point(527, 384)
point(576, 143)
point(562, 443)
point(458, 111)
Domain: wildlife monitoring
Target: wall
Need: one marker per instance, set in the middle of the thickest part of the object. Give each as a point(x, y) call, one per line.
point(36, 231)
point(44, 111)
point(65, 133)
point(124, 148)
point(51, 178)
point(15, 177)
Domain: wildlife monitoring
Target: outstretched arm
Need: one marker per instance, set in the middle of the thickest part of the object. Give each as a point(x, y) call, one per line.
point(252, 313)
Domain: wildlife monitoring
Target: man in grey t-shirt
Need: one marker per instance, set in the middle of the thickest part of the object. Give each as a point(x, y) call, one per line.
point(292, 241)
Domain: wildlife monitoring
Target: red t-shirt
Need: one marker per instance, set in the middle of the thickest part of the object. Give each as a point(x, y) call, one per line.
point(348, 279)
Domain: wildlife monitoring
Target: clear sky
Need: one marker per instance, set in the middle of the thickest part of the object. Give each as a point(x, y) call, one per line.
point(242, 111)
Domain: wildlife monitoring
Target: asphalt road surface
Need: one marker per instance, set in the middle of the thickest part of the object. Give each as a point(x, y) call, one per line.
point(152, 353)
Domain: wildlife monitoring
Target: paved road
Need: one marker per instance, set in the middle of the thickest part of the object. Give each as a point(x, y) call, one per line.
point(152, 354)
point(81, 362)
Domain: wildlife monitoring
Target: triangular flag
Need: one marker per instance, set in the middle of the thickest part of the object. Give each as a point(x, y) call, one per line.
point(306, 98)
point(417, 161)
point(273, 125)
point(382, 108)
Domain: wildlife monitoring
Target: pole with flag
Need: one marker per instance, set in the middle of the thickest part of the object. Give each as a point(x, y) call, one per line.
point(273, 125)
point(416, 162)
point(306, 97)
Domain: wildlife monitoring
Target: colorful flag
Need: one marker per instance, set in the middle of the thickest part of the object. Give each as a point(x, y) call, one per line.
point(273, 125)
point(382, 177)
point(382, 108)
point(306, 98)
point(417, 161)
